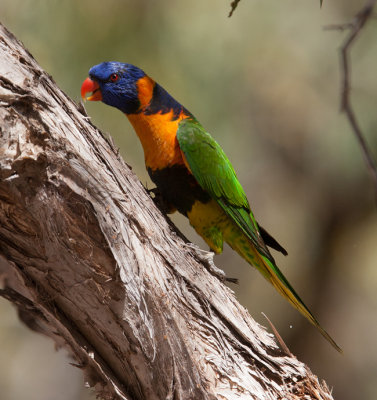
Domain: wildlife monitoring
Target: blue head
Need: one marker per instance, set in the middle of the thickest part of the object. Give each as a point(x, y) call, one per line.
point(115, 84)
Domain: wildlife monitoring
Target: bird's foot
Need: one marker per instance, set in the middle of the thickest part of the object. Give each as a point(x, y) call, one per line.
point(159, 200)
point(207, 258)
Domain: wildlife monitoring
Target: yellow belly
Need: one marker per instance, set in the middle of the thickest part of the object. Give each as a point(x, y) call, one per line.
point(214, 226)
point(210, 222)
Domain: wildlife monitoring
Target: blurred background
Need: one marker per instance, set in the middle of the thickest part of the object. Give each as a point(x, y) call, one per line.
point(265, 83)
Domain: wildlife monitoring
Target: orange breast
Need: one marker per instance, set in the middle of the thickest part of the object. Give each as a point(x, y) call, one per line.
point(158, 136)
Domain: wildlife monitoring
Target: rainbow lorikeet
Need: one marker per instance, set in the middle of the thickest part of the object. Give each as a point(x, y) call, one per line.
point(191, 170)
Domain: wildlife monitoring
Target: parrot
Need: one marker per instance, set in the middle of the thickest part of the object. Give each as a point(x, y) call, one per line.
point(191, 171)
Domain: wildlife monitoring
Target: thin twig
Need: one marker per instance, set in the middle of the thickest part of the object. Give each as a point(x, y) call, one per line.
point(233, 6)
point(338, 27)
point(355, 26)
point(283, 346)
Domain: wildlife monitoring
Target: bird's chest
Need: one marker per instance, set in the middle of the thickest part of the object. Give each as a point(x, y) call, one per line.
point(158, 136)
point(178, 187)
point(164, 160)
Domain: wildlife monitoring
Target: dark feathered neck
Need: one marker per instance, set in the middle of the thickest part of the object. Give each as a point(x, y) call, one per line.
point(154, 99)
point(162, 102)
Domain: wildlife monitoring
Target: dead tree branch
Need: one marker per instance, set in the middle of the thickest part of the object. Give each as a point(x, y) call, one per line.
point(355, 27)
point(88, 260)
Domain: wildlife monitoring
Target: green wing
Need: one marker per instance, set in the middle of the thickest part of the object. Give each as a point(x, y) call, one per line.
point(215, 174)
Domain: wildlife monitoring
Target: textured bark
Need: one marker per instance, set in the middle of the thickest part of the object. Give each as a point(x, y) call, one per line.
point(88, 260)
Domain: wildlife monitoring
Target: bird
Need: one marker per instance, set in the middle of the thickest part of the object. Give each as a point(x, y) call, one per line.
point(191, 171)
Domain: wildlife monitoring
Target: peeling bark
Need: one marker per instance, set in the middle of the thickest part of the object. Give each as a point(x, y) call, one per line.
point(89, 260)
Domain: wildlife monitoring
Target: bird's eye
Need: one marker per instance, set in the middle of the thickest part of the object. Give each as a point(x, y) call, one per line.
point(114, 77)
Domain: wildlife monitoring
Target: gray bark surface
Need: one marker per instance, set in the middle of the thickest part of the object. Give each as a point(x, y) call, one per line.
point(88, 259)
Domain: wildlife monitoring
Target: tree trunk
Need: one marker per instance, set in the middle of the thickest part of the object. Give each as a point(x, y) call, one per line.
point(89, 260)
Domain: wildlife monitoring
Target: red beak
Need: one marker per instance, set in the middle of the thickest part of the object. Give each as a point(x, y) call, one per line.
point(92, 88)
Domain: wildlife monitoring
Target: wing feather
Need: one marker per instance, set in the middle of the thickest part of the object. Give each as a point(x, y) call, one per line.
point(215, 174)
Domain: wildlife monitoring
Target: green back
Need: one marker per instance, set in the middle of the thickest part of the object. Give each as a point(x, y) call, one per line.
point(215, 174)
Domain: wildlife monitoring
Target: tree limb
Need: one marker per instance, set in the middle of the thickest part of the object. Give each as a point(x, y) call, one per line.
point(355, 27)
point(88, 260)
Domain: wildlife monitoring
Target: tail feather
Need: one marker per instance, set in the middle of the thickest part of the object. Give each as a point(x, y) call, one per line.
point(272, 273)
point(281, 284)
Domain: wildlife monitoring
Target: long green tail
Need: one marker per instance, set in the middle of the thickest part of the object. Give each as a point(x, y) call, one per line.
point(272, 273)
point(279, 281)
